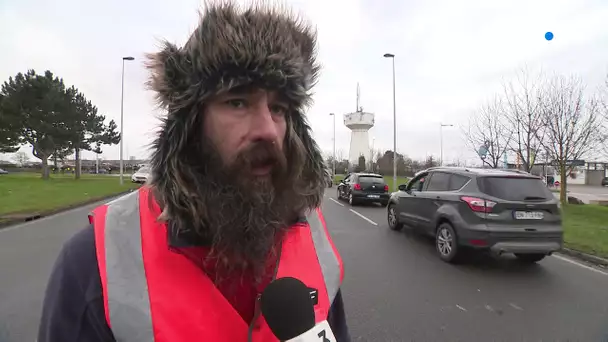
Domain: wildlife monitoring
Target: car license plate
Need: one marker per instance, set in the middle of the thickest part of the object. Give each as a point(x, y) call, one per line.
point(529, 215)
point(373, 196)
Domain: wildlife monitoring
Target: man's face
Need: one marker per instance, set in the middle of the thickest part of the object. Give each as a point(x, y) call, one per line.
point(247, 128)
point(250, 189)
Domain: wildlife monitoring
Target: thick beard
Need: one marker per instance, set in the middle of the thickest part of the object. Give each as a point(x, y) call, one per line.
point(246, 215)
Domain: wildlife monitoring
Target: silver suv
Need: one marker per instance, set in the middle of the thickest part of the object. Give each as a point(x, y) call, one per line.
point(503, 211)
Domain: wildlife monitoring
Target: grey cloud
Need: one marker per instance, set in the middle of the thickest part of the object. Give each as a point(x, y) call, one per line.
point(451, 56)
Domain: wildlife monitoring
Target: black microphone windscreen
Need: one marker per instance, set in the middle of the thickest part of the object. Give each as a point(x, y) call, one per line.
point(288, 308)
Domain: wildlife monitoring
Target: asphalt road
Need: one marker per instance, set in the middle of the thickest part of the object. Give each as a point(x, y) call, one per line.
point(587, 193)
point(395, 288)
point(27, 254)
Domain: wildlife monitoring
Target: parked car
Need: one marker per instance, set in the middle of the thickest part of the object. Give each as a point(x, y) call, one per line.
point(502, 211)
point(605, 181)
point(363, 188)
point(3, 172)
point(141, 175)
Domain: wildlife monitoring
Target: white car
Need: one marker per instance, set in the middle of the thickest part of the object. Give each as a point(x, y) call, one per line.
point(142, 175)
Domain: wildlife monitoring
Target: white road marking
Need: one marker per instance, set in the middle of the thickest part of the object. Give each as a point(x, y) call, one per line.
point(461, 308)
point(338, 203)
point(516, 307)
point(580, 265)
point(489, 308)
point(363, 217)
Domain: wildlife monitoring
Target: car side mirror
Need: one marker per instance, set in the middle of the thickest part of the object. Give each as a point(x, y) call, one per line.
point(402, 187)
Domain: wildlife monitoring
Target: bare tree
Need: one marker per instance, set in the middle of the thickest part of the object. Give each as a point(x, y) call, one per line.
point(376, 154)
point(21, 158)
point(340, 155)
point(604, 118)
point(327, 155)
point(523, 117)
point(573, 124)
point(486, 134)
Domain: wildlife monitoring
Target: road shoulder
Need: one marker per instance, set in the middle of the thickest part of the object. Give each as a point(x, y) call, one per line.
point(35, 216)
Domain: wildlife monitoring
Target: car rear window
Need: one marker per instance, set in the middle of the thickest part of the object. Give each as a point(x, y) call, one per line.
point(514, 188)
point(371, 180)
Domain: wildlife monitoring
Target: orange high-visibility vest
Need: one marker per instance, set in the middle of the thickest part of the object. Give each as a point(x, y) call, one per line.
point(154, 294)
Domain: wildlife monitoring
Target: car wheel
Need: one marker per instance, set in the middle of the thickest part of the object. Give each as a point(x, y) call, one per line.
point(446, 243)
point(530, 258)
point(351, 200)
point(393, 221)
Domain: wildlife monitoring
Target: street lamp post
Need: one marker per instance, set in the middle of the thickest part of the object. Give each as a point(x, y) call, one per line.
point(334, 158)
point(441, 141)
point(122, 125)
point(371, 155)
point(392, 56)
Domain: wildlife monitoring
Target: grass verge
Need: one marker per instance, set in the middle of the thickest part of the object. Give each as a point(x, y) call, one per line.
point(586, 228)
point(25, 194)
point(387, 179)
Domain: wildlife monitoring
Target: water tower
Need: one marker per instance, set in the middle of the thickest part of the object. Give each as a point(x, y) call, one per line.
point(359, 123)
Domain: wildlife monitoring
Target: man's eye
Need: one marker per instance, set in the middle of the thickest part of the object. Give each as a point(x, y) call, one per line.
point(278, 110)
point(236, 103)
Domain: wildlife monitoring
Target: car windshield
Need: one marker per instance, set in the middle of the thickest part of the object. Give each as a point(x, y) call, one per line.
point(144, 169)
point(514, 188)
point(371, 180)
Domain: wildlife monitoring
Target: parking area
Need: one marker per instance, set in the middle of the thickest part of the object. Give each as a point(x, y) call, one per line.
point(587, 193)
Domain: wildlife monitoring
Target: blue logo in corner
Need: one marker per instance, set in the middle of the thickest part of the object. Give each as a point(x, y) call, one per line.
point(549, 35)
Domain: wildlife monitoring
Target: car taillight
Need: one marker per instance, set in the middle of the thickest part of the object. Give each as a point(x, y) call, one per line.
point(386, 188)
point(357, 186)
point(479, 205)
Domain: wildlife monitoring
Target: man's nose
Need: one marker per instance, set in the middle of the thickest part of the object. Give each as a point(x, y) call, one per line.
point(264, 126)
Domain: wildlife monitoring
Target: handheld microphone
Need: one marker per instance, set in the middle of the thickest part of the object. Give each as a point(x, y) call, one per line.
point(289, 311)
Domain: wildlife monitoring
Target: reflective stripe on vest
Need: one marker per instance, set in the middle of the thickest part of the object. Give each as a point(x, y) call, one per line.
point(127, 287)
point(128, 302)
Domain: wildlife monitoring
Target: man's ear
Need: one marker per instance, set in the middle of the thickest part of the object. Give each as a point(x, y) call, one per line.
point(171, 74)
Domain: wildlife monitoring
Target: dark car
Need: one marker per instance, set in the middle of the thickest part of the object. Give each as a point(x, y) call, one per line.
point(503, 211)
point(363, 188)
point(605, 181)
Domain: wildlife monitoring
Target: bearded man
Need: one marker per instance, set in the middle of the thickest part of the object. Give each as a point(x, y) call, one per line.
point(232, 203)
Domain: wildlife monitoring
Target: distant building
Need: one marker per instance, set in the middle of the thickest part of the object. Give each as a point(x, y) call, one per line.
point(114, 164)
point(583, 173)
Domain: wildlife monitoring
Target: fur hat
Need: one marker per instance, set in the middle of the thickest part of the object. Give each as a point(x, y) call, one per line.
point(231, 47)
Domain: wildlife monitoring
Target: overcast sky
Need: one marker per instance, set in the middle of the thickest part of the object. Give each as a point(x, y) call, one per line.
point(451, 56)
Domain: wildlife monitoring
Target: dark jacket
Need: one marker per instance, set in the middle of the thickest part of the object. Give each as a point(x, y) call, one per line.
point(73, 309)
